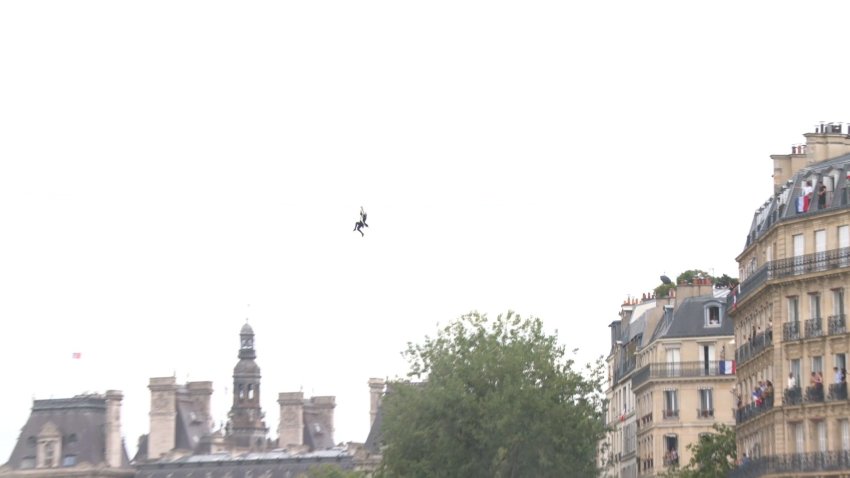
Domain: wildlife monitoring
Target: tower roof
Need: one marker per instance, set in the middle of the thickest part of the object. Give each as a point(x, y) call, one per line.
point(246, 330)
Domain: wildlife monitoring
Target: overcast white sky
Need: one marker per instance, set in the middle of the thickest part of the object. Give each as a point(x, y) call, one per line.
point(165, 163)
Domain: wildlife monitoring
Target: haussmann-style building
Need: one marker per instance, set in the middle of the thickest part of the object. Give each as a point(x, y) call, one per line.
point(670, 379)
point(789, 315)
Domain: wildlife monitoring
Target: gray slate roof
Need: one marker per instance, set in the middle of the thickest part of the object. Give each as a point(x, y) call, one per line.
point(781, 206)
point(688, 318)
point(80, 420)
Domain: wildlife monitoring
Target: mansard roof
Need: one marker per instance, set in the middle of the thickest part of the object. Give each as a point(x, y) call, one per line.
point(782, 205)
point(688, 318)
point(81, 423)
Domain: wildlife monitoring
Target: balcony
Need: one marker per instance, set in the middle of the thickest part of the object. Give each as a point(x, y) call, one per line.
point(664, 370)
point(705, 413)
point(814, 327)
point(671, 458)
point(836, 324)
point(791, 331)
point(792, 266)
point(753, 410)
point(793, 396)
point(671, 414)
point(814, 393)
point(793, 464)
point(644, 420)
point(837, 391)
point(754, 346)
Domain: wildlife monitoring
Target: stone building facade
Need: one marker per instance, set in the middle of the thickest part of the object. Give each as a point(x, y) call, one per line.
point(669, 380)
point(790, 315)
point(183, 442)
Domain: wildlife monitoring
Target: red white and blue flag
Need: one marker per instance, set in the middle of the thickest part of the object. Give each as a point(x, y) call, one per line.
point(727, 367)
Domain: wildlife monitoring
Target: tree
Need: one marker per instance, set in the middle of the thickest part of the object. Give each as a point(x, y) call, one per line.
point(725, 281)
point(713, 456)
point(688, 276)
point(492, 399)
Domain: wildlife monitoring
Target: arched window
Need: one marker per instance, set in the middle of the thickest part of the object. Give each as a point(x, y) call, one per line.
point(250, 391)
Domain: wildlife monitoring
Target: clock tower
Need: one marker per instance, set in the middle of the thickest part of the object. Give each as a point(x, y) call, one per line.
point(246, 428)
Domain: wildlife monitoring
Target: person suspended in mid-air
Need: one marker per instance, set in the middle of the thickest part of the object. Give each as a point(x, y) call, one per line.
point(359, 225)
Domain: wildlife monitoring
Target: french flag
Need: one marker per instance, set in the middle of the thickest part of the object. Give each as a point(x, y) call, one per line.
point(727, 367)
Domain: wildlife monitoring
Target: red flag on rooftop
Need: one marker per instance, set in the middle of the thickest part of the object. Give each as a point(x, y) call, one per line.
point(76, 355)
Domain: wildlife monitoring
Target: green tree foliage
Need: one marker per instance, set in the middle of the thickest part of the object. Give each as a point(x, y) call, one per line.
point(493, 399)
point(725, 281)
point(687, 277)
point(713, 456)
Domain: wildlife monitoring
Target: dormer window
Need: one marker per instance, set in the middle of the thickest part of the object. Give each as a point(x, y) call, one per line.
point(712, 316)
point(49, 454)
point(49, 447)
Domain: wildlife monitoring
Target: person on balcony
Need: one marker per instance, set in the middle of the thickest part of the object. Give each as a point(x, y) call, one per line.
point(821, 195)
point(837, 374)
point(807, 195)
point(768, 393)
point(791, 382)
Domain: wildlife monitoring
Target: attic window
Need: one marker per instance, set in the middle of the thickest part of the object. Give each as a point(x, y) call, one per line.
point(712, 316)
point(69, 460)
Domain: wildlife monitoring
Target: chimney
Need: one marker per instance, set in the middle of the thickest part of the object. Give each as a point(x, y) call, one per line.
point(200, 393)
point(324, 406)
point(699, 286)
point(163, 416)
point(376, 393)
point(826, 142)
point(114, 451)
point(291, 428)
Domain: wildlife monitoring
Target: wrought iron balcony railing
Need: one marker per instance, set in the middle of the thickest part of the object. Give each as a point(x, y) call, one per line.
point(754, 346)
point(791, 331)
point(837, 324)
point(837, 391)
point(664, 370)
point(671, 414)
point(753, 410)
point(793, 464)
point(793, 396)
point(792, 266)
point(814, 327)
point(705, 413)
point(814, 393)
